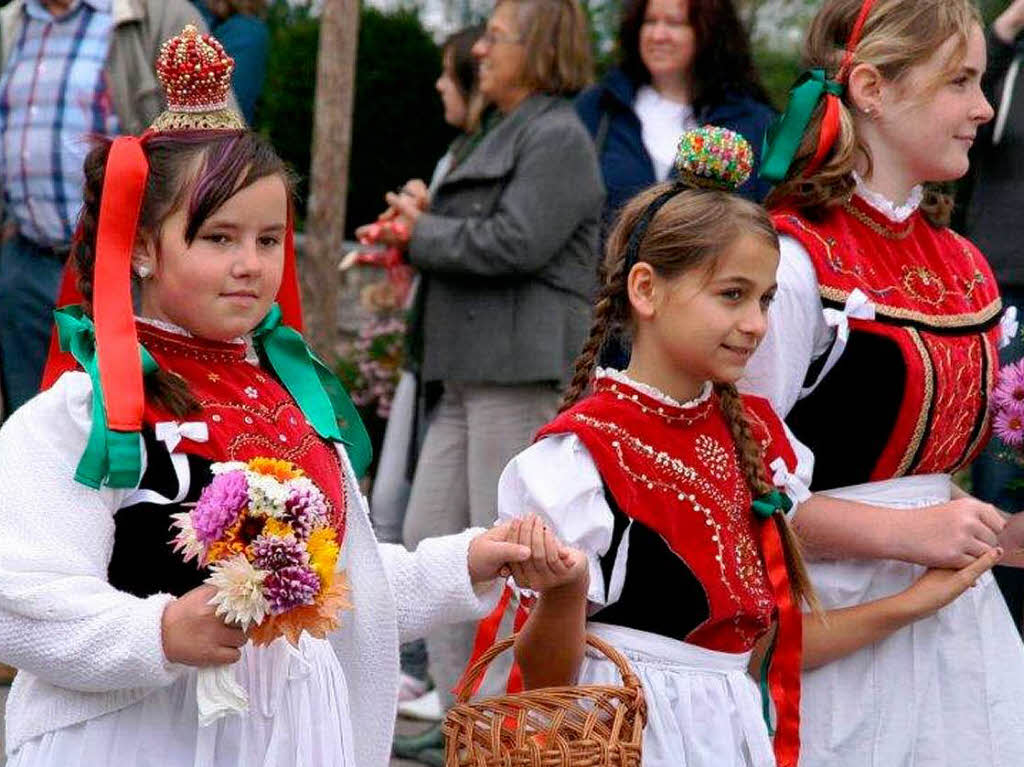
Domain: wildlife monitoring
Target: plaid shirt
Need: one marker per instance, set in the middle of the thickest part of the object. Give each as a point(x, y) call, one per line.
point(53, 97)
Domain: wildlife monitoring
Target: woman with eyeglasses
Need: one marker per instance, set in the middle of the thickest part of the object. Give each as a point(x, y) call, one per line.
point(507, 250)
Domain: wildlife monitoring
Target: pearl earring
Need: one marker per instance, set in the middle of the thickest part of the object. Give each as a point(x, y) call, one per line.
point(143, 271)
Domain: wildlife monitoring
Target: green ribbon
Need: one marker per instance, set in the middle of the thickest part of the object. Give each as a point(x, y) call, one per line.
point(314, 388)
point(766, 694)
point(784, 137)
point(769, 503)
point(111, 458)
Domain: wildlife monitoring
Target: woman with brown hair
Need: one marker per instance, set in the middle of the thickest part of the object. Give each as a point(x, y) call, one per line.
point(880, 353)
point(507, 251)
point(682, 64)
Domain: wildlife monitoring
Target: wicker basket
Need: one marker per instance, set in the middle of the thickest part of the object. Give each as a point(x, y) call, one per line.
point(578, 726)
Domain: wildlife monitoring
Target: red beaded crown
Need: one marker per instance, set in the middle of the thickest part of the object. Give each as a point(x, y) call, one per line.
point(196, 75)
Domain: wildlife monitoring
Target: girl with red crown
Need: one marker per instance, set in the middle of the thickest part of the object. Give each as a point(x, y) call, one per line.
point(881, 352)
point(113, 632)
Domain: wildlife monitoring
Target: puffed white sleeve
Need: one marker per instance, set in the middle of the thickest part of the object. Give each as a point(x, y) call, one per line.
point(59, 617)
point(797, 332)
point(556, 479)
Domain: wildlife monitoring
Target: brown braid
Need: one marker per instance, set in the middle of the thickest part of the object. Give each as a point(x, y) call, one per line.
point(751, 460)
point(609, 312)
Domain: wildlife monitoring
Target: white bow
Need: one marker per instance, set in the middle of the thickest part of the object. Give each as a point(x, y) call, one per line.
point(172, 432)
point(858, 306)
point(791, 483)
point(1009, 325)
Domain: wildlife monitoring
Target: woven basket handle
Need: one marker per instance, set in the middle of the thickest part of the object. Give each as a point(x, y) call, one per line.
point(629, 679)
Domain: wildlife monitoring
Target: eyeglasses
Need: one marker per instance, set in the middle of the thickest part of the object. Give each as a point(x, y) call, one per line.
point(490, 38)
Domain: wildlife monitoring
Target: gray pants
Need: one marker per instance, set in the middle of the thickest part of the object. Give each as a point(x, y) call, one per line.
point(474, 432)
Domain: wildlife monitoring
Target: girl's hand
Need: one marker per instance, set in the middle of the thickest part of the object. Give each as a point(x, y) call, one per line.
point(938, 587)
point(951, 535)
point(490, 553)
point(194, 635)
point(1011, 539)
point(551, 565)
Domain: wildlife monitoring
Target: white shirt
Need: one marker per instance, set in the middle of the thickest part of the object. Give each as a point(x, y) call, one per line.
point(662, 122)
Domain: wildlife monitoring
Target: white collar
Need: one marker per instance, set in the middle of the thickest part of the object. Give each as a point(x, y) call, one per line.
point(885, 206)
point(652, 392)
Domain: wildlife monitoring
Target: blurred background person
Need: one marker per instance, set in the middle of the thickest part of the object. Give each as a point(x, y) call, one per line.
point(240, 27)
point(682, 64)
point(71, 69)
point(994, 223)
point(507, 252)
point(457, 87)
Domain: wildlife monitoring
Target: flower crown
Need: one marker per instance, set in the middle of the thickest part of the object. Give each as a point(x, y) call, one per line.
point(196, 75)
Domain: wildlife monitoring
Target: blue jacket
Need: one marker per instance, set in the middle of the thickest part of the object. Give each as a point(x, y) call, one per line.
point(625, 165)
point(246, 39)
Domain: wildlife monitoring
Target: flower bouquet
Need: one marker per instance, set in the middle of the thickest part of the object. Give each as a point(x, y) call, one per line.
point(263, 529)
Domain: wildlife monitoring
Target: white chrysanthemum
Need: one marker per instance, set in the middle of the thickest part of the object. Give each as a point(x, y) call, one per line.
point(267, 495)
point(185, 541)
point(226, 466)
point(239, 598)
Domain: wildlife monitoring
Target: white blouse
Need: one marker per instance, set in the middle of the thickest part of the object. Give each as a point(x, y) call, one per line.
point(662, 122)
point(556, 478)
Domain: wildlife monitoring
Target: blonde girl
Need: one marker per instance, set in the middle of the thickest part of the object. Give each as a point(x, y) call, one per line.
point(880, 351)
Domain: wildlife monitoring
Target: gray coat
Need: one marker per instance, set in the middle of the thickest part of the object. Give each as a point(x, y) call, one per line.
point(508, 252)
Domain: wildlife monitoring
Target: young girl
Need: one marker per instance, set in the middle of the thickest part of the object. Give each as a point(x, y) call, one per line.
point(106, 623)
point(652, 477)
point(881, 351)
point(665, 478)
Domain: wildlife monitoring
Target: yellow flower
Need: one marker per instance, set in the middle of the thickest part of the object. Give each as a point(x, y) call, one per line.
point(323, 554)
point(280, 470)
point(277, 528)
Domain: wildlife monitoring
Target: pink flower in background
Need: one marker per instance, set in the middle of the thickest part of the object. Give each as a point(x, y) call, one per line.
point(1008, 394)
point(1009, 427)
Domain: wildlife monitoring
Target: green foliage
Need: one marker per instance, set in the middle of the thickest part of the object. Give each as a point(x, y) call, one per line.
point(398, 129)
point(779, 70)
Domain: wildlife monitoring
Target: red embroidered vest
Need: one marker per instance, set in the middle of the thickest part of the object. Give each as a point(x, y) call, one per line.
point(909, 395)
point(247, 412)
point(676, 471)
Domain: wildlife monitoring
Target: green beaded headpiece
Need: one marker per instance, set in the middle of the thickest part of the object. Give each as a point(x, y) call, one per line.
point(709, 158)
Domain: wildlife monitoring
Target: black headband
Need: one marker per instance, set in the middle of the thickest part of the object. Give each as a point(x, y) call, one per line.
point(637, 235)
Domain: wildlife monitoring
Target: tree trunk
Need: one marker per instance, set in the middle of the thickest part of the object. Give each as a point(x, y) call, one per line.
point(332, 141)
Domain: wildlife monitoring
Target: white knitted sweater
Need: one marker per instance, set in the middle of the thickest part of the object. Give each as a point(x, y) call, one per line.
point(85, 648)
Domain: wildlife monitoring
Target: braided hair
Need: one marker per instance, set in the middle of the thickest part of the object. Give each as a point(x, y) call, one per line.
point(689, 229)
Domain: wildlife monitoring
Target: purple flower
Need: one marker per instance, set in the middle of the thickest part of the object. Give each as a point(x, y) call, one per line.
point(304, 509)
point(219, 506)
point(290, 587)
point(1009, 427)
point(272, 553)
point(1009, 390)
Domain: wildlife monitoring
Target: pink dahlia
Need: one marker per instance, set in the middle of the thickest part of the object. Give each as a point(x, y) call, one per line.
point(272, 553)
point(305, 508)
point(219, 506)
point(290, 587)
point(1009, 391)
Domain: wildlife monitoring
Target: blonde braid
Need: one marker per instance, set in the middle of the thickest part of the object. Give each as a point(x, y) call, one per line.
point(751, 461)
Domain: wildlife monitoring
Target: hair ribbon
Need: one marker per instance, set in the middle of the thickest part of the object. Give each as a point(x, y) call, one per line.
point(784, 137)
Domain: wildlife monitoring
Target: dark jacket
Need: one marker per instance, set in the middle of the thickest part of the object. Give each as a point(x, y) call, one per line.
point(996, 189)
point(508, 252)
point(625, 165)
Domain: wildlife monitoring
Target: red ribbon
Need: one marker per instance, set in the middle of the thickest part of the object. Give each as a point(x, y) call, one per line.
point(784, 673)
point(117, 343)
point(830, 121)
point(487, 635)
